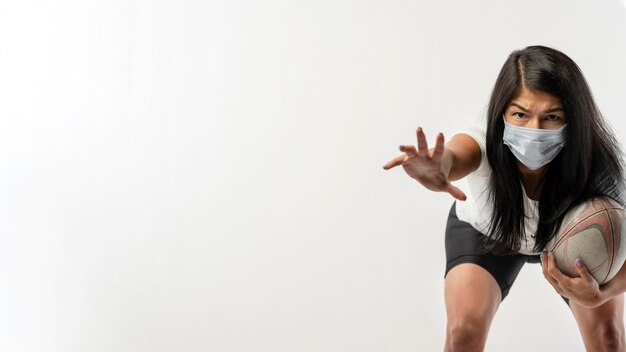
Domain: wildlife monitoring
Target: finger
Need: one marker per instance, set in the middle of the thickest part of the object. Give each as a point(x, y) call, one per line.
point(438, 148)
point(409, 150)
point(395, 162)
point(421, 142)
point(546, 273)
point(553, 270)
point(545, 266)
point(455, 192)
point(583, 271)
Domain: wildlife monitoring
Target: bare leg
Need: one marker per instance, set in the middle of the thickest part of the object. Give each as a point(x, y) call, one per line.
point(472, 298)
point(602, 328)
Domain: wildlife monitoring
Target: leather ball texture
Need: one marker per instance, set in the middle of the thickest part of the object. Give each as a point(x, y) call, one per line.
point(594, 232)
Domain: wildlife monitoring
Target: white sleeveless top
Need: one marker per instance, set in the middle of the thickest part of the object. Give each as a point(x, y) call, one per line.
point(476, 210)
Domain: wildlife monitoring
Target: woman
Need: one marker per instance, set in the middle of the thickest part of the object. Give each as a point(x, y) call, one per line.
point(546, 149)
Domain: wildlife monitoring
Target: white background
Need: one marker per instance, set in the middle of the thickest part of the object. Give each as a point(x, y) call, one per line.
point(207, 176)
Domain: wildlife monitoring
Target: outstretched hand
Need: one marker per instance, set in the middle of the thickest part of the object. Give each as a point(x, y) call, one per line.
point(426, 165)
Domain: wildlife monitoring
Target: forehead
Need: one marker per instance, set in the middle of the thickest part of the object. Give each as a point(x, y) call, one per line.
point(535, 98)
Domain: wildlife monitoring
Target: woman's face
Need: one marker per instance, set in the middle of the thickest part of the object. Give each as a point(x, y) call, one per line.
point(535, 109)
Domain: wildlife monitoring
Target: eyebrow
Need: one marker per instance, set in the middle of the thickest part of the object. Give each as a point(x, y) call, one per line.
point(549, 110)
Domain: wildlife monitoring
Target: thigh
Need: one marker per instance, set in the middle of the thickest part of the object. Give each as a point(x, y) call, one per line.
point(463, 245)
point(471, 293)
point(475, 283)
point(602, 328)
point(472, 297)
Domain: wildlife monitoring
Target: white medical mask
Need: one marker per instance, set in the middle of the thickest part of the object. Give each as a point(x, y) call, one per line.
point(533, 147)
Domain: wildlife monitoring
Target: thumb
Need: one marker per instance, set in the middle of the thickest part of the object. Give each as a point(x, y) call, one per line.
point(582, 270)
point(455, 192)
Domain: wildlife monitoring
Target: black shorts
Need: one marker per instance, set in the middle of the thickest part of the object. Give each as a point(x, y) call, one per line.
point(463, 245)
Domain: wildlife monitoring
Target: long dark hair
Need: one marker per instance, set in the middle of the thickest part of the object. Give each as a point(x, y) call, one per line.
point(589, 165)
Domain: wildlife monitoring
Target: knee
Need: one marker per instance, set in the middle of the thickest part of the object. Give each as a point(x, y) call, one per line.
point(610, 335)
point(466, 335)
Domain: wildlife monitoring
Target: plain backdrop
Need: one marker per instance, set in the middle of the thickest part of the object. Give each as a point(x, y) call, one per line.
point(207, 175)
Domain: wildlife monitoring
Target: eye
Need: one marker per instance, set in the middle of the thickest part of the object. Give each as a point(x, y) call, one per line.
point(553, 117)
point(519, 115)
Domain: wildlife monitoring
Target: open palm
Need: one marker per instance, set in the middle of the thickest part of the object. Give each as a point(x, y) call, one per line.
point(426, 165)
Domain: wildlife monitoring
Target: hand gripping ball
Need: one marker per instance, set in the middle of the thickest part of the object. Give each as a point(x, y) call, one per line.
point(594, 232)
